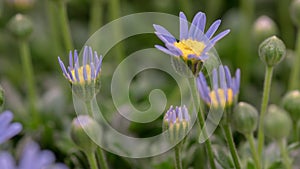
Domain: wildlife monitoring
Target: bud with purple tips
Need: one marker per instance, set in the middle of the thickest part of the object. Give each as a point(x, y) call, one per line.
point(85, 79)
point(176, 123)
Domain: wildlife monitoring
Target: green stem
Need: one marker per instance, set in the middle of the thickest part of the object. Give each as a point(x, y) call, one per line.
point(96, 15)
point(114, 9)
point(178, 162)
point(255, 156)
point(284, 154)
point(202, 123)
point(294, 79)
point(285, 24)
point(228, 135)
point(92, 160)
point(264, 105)
point(100, 153)
point(185, 6)
point(30, 81)
point(102, 158)
point(64, 23)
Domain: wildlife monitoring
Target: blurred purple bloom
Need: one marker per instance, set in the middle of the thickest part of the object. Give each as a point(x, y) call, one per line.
point(87, 72)
point(193, 43)
point(31, 158)
point(224, 87)
point(8, 129)
point(177, 115)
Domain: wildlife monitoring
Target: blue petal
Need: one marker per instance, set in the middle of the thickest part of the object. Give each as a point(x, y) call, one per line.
point(213, 28)
point(228, 76)
point(238, 79)
point(205, 87)
point(215, 79)
point(161, 30)
point(7, 161)
point(12, 130)
point(174, 49)
point(219, 36)
point(223, 80)
point(201, 89)
point(184, 30)
point(63, 68)
point(165, 38)
point(195, 25)
point(71, 59)
point(167, 51)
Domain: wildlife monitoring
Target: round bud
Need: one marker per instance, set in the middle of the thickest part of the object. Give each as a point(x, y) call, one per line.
point(291, 103)
point(1, 98)
point(272, 51)
point(295, 12)
point(263, 28)
point(244, 118)
point(20, 26)
point(82, 130)
point(278, 123)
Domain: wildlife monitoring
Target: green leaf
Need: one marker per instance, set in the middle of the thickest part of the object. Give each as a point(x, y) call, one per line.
point(224, 159)
point(277, 165)
point(250, 165)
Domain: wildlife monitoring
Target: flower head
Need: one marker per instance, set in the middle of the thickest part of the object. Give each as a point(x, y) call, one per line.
point(84, 78)
point(193, 44)
point(225, 88)
point(8, 129)
point(176, 120)
point(31, 158)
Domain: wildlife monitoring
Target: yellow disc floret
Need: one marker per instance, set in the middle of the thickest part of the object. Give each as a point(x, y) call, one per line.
point(222, 97)
point(190, 46)
point(80, 74)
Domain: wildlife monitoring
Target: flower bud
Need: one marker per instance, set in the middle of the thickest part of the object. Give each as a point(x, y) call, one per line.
point(263, 28)
point(21, 5)
point(295, 12)
point(176, 123)
point(244, 118)
point(1, 98)
point(278, 123)
point(272, 51)
point(82, 130)
point(291, 103)
point(20, 26)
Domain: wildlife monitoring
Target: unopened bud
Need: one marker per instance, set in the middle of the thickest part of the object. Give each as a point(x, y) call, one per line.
point(20, 26)
point(291, 103)
point(244, 118)
point(278, 123)
point(83, 129)
point(263, 28)
point(272, 51)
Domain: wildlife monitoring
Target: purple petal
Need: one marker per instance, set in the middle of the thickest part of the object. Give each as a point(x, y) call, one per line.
point(167, 51)
point(11, 131)
point(161, 30)
point(219, 36)
point(5, 118)
point(213, 28)
point(99, 66)
point(63, 68)
point(215, 79)
point(195, 25)
point(70, 74)
point(228, 76)
point(238, 79)
point(71, 59)
point(184, 30)
point(174, 49)
point(84, 73)
point(7, 161)
point(165, 38)
point(223, 80)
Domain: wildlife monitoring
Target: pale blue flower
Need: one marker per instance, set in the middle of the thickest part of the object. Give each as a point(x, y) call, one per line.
point(7, 128)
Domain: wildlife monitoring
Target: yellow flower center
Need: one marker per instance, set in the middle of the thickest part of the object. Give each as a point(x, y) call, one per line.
point(190, 46)
point(80, 74)
point(222, 97)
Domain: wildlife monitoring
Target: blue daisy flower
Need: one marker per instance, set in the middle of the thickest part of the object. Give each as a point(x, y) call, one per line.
point(193, 44)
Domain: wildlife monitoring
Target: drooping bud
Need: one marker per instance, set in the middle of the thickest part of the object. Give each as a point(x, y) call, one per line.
point(278, 123)
point(263, 28)
point(272, 51)
point(244, 118)
point(295, 12)
point(291, 103)
point(20, 26)
point(176, 123)
point(1, 98)
point(82, 130)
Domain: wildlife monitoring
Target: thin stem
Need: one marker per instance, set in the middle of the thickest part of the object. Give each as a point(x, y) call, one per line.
point(100, 154)
point(255, 156)
point(92, 160)
point(178, 162)
point(294, 79)
point(264, 104)
point(96, 15)
point(30, 81)
point(230, 142)
point(286, 26)
point(202, 122)
point(284, 154)
point(64, 23)
point(102, 159)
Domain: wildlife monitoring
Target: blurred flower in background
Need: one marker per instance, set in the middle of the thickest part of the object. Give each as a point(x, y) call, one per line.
point(31, 158)
point(7, 128)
